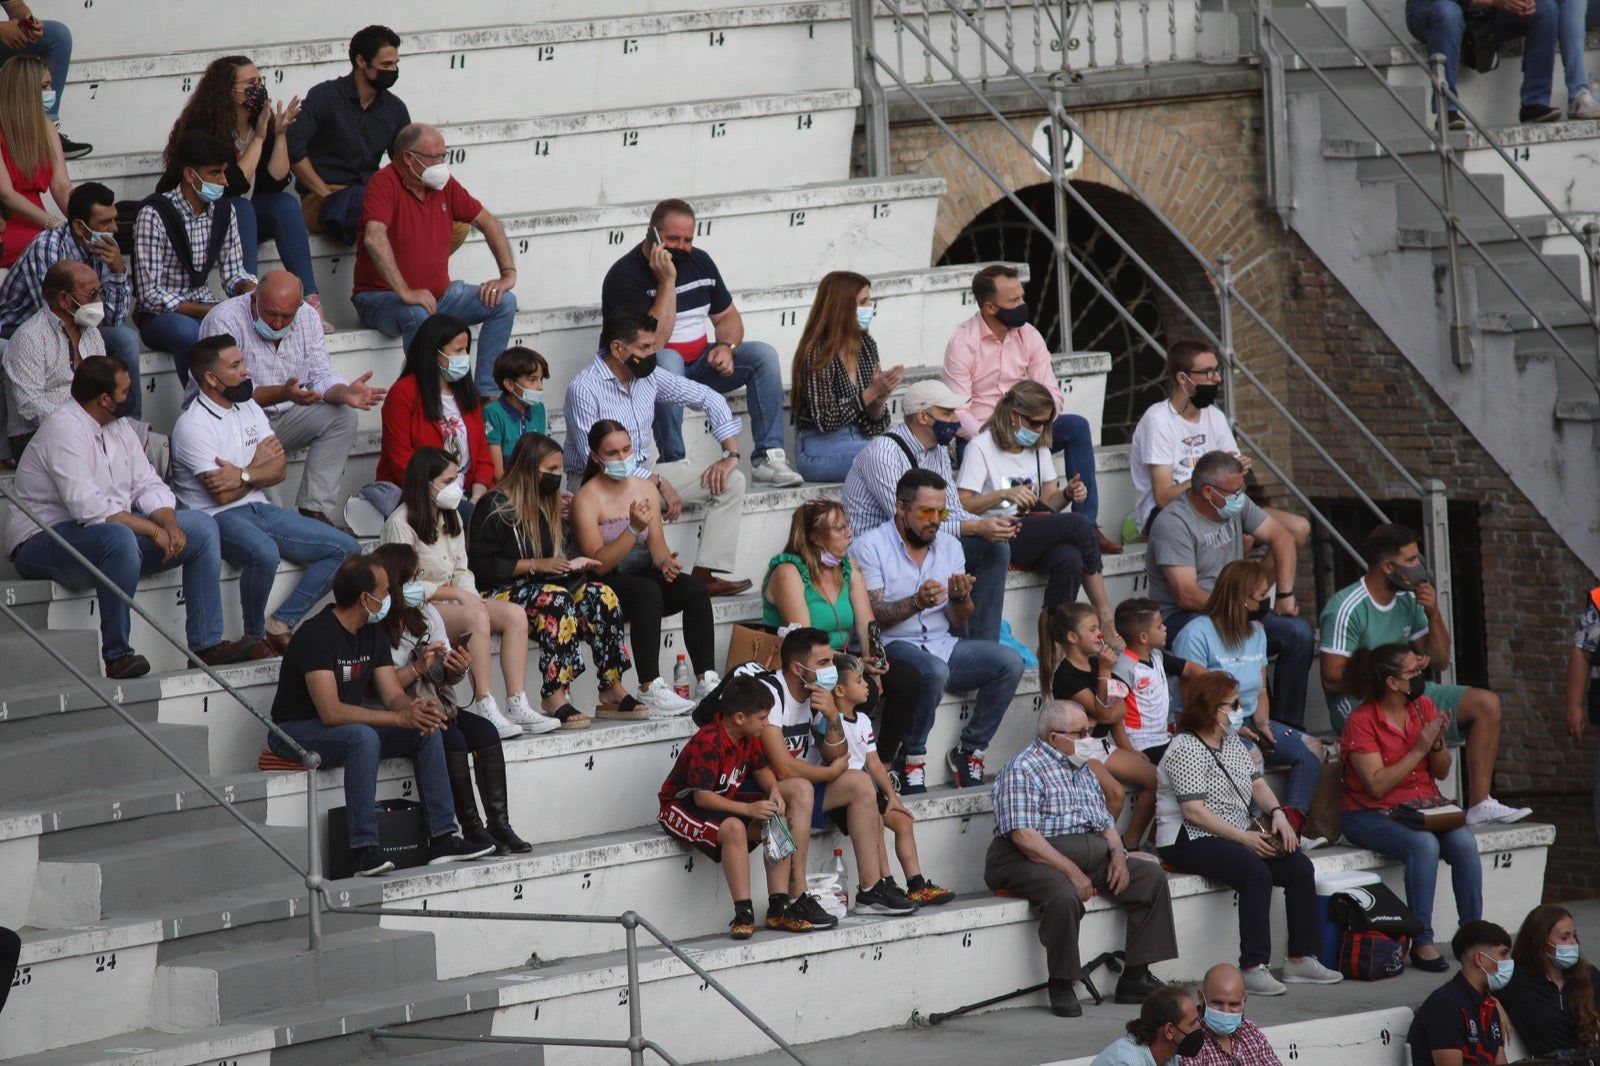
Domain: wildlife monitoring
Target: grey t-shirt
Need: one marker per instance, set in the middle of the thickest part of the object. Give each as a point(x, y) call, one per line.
point(1180, 536)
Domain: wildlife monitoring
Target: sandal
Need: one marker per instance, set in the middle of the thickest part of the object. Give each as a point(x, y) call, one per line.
point(629, 710)
point(570, 717)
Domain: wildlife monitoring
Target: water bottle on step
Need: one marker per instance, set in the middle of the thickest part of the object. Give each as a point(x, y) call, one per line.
point(680, 678)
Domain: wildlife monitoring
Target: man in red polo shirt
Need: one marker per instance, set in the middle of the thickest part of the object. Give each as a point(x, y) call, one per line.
point(402, 259)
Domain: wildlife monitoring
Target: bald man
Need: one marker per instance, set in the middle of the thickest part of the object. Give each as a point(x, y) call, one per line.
point(403, 252)
point(1230, 1038)
point(1056, 845)
point(307, 404)
point(49, 345)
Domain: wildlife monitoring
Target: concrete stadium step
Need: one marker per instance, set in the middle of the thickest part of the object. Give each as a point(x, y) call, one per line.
point(35, 768)
point(554, 161)
point(51, 707)
point(776, 235)
point(28, 667)
point(128, 104)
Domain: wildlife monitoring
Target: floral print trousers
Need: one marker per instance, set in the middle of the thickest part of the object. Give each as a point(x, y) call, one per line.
point(559, 620)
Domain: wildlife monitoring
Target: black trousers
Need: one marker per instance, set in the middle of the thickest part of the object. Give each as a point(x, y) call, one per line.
point(648, 598)
point(1063, 547)
point(892, 706)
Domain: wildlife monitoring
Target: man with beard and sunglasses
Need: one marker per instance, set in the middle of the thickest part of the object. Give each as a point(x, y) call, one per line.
point(1396, 603)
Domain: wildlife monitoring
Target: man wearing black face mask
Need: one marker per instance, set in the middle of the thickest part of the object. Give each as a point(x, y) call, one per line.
point(1168, 1026)
point(86, 477)
point(1395, 603)
point(224, 457)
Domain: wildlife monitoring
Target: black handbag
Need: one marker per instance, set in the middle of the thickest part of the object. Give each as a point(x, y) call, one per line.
point(402, 837)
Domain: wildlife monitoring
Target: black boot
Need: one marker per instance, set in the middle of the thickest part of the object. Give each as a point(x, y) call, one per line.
point(466, 805)
point(491, 767)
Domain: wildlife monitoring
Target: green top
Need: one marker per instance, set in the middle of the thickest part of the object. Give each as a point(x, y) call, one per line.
point(837, 620)
point(504, 427)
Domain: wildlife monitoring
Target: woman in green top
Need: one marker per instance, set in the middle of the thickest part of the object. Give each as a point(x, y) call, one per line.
point(812, 583)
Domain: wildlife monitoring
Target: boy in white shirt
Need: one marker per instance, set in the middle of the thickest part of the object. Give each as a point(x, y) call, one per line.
point(1144, 668)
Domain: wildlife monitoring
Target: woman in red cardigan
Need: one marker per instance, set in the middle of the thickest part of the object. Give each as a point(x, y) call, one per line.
point(434, 404)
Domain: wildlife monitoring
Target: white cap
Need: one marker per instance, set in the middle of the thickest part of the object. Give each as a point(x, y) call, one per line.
point(931, 393)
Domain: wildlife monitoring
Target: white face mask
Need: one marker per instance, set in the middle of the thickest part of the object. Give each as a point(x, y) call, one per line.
point(435, 177)
point(90, 315)
point(1082, 749)
point(449, 497)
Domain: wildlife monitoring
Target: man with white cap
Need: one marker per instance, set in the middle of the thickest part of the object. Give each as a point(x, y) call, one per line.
point(923, 440)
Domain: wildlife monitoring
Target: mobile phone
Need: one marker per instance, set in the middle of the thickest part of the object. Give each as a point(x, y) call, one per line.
point(653, 235)
point(466, 638)
point(875, 641)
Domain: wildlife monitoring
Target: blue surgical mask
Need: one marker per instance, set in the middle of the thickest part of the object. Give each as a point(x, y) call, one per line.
point(827, 677)
point(945, 432)
point(268, 333)
point(459, 366)
point(619, 469)
point(48, 96)
point(1565, 956)
point(864, 316)
point(412, 591)
point(1232, 507)
point(381, 613)
point(1235, 722)
point(533, 397)
point(1027, 437)
point(1500, 976)
point(1221, 1022)
point(210, 191)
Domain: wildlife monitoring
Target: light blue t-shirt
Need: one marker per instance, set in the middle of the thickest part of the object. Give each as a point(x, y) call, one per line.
point(1201, 643)
point(1125, 1052)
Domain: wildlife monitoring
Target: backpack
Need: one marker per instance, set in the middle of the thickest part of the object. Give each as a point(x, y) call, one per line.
point(167, 211)
point(1373, 909)
point(711, 705)
point(1371, 956)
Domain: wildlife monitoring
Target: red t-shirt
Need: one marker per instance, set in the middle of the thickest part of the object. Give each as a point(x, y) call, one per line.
point(712, 761)
point(419, 231)
point(1369, 729)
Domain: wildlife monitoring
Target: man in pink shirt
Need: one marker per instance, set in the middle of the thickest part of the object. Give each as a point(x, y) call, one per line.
point(995, 349)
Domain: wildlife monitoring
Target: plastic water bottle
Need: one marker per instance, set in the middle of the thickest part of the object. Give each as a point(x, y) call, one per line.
point(680, 677)
point(841, 894)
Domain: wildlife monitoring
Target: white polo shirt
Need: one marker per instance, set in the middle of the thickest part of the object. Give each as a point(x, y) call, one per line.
point(206, 432)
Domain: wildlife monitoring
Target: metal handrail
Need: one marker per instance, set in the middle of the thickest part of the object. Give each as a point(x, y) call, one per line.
point(631, 922)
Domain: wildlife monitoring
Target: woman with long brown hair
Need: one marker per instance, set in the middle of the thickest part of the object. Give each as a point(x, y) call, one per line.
point(31, 150)
point(230, 102)
point(841, 396)
point(1553, 999)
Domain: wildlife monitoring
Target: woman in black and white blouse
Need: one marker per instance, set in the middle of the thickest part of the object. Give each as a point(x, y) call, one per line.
point(841, 397)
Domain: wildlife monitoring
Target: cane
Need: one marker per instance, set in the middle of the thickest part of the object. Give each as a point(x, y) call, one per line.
point(1111, 960)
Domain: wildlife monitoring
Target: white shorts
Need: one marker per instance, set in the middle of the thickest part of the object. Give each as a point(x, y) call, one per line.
point(1104, 746)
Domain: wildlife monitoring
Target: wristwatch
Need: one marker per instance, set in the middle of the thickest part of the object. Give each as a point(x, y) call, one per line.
point(244, 476)
point(729, 454)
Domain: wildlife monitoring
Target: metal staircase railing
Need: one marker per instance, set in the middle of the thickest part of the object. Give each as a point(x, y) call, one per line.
point(870, 61)
point(1271, 32)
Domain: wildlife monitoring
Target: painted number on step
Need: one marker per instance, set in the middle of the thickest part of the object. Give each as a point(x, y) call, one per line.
point(458, 61)
point(797, 218)
point(545, 53)
point(966, 819)
point(23, 976)
point(1384, 1037)
point(589, 763)
point(540, 147)
point(455, 156)
point(880, 210)
point(11, 596)
point(188, 83)
point(1141, 581)
point(673, 754)
point(1502, 860)
point(716, 39)
point(615, 237)
point(102, 963)
point(805, 965)
point(516, 893)
point(1523, 154)
point(94, 88)
point(688, 866)
point(966, 940)
point(788, 318)
point(719, 129)
point(967, 299)
point(702, 227)
point(588, 880)
point(630, 46)
point(966, 711)
point(277, 77)
point(877, 953)
point(804, 122)
point(668, 640)
point(405, 787)
point(622, 997)
point(630, 138)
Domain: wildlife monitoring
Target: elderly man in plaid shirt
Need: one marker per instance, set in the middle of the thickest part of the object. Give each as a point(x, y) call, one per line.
point(1056, 845)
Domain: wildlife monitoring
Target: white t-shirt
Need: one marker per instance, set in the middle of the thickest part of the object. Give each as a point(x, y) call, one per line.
point(859, 739)
point(206, 432)
point(1166, 438)
point(987, 468)
point(793, 717)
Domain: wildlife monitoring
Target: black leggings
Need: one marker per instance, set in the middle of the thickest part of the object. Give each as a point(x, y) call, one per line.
point(469, 732)
point(1061, 546)
point(896, 698)
point(648, 598)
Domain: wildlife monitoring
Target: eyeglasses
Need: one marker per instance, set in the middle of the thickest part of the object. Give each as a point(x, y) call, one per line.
point(427, 157)
point(248, 85)
point(1210, 373)
point(1229, 705)
point(928, 514)
point(1076, 734)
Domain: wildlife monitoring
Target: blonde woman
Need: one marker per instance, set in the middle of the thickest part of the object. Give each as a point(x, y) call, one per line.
point(31, 150)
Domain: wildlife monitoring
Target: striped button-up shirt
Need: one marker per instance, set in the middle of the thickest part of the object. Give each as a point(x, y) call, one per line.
point(596, 393)
point(1038, 789)
point(878, 467)
point(161, 281)
point(22, 292)
point(302, 354)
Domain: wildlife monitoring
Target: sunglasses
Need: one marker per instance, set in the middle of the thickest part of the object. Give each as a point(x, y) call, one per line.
point(928, 514)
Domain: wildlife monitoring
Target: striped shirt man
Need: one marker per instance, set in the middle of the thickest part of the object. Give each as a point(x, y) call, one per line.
point(596, 394)
point(878, 467)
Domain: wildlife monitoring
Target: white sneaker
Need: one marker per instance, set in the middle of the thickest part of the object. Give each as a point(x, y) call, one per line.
point(663, 702)
point(1312, 843)
point(1583, 105)
point(1309, 971)
point(776, 471)
point(526, 718)
point(707, 683)
point(1258, 981)
point(1492, 810)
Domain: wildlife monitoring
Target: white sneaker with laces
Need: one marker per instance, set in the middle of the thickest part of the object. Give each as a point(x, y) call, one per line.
point(519, 711)
point(1492, 810)
point(1309, 971)
point(663, 702)
point(1258, 981)
point(776, 471)
point(487, 709)
point(1583, 105)
point(707, 682)
point(1312, 843)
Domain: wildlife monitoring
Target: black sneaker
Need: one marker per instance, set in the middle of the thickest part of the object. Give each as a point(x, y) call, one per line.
point(1532, 113)
point(369, 861)
point(72, 149)
point(783, 914)
point(1064, 1001)
point(1134, 987)
point(808, 907)
point(454, 849)
point(966, 766)
point(884, 897)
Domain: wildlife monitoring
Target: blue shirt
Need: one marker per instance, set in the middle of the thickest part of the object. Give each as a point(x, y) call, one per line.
point(596, 393)
point(1201, 643)
point(1125, 1052)
point(886, 564)
point(1038, 789)
point(22, 292)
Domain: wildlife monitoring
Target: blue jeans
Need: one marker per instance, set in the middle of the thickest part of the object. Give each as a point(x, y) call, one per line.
point(754, 364)
point(1071, 434)
point(987, 562)
point(256, 535)
point(275, 216)
point(358, 748)
point(124, 556)
point(1439, 25)
point(387, 313)
point(822, 456)
point(1291, 641)
point(54, 46)
point(1421, 851)
point(993, 670)
point(175, 333)
point(1543, 30)
point(1305, 769)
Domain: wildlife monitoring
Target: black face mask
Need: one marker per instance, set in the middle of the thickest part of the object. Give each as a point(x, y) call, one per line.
point(1205, 395)
point(1258, 612)
point(641, 366)
point(255, 98)
point(383, 79)
point(1418, 686)
point(1012, 317)
point(1408, 578)
point(680, 257)
point(125, 408)
point(1191, 1043)
point(239, 393)
point(549, 484)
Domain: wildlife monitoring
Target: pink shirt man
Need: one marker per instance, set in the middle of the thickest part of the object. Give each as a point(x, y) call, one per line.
point(981, 365)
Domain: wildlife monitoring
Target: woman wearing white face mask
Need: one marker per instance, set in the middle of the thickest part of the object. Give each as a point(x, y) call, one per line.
point(428, 521)
point(1206, 785)
point(434, 404)
point(1553, 998)
point(616, 521)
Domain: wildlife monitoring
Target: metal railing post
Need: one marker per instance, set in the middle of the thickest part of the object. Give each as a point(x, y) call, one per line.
point(1591, 248)
point(1225, 357)
point(314, 878)
point(1460, 335)
point(874, 105)
point(1436, 542)
point(630, 929)
point(1280, 185)
point(1058, 177)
